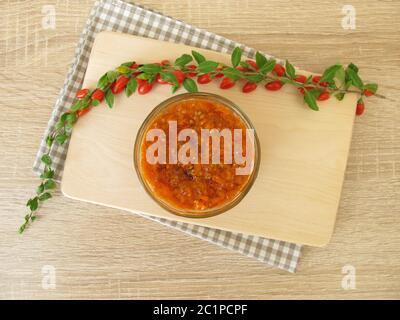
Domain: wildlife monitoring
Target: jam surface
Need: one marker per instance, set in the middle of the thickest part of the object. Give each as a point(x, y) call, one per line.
point(195, 186)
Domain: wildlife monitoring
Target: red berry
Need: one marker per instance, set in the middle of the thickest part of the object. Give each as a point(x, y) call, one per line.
point(368, 93)
point(83, 111)
point(140, 81)
point(165, 62)
point(135, 74)
point(204, 78)
point(279, 70)
point(180, 76)
point(323, 96)
point(252, 63)
point(82, 93)
point(249, 87)
point(227, 83)
point(274, 85)
point(219, 74)
point(120, 84)
point(192, 67)
point(145, 87)
point(98, 95)
point(316, 79)
point(160, 80)
point(242, 69)
point(134, 66)
point(300, 78)
point(360, 108)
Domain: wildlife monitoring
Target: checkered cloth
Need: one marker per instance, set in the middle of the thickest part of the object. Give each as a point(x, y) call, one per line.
point(115, 15)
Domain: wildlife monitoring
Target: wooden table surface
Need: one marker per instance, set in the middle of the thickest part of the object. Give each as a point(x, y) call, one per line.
point(98, 252)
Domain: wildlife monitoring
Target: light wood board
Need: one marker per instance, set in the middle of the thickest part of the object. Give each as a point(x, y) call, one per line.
point(303, 153)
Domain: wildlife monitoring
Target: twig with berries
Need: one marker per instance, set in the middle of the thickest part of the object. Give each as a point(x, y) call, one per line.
point(130, 77)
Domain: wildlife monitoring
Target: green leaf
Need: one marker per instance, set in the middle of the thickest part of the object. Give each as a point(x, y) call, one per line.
point(95, 103)
point(373, 87)
point(290, 71)
point(353, 67)
point(340, 96)
point(255, 78)
point(260, 59)
point(268, 67)
point(112, 75)
point(198, 57)
point(183, 60)
point(131, 87)
point(103, 81)
point(71, 117)
point(330, 73)
point(340, 76)
point(190, 85)
point(40, 189)
point(150, 68)
point(49, 184)
point(169, 77)
point(123, 69)
point(49, 140)
point(143, 76)
point(232, 73)
point(47, 174)
point(45, 196)
point(109, 98)
point(61, 138)
point(207, 66)
point(46, 159)
point(33, 204)
point(33, 218)
point(355, 79)
point(175, 88)
point(309, 98)
point(236, 56)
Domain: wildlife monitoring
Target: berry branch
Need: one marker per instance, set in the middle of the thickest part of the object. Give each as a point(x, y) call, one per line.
point(130, 77)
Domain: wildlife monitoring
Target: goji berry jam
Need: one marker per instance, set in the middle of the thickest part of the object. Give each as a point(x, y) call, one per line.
point(177, 160)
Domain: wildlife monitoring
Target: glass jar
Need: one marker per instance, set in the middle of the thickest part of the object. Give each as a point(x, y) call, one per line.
point(188, 181)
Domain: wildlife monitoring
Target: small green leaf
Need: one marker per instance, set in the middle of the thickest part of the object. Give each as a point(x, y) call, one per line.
point(131, 87)
point(353, 67)
point(150, 68)
point(309, 98)
point(260, 59)
point(143, 76)
point(33, 205)
point(47, 174)
point(109, 98)
point(123, 69)
point(46, 159)
point(355, 79)
point(190, 85)
point(236, 56)
point(290, 71)
point(340, 96)
point(340, 76)
point(49, 184)
point(207, 66)
point(112, 75)
point(330, 73)
point(40, 189)
point(103, 81)
point(255, 78)
point(373, 87)
point(175, 88)
point(95, 103)
point(183, 60)
point(169, 77)
point(49, 140)
point(232, 73)
point(33, 218)
point(268, 67)
point(45, 196)
point(61, 138)
point(198, 57)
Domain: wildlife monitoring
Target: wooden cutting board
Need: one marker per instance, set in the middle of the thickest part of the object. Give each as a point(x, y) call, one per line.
point(303, 152)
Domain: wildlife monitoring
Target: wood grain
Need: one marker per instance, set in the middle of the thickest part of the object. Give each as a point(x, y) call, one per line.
point(104, 253)
point(297, 191)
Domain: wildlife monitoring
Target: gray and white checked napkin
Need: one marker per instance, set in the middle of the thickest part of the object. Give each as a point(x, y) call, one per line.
point(115, 15)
